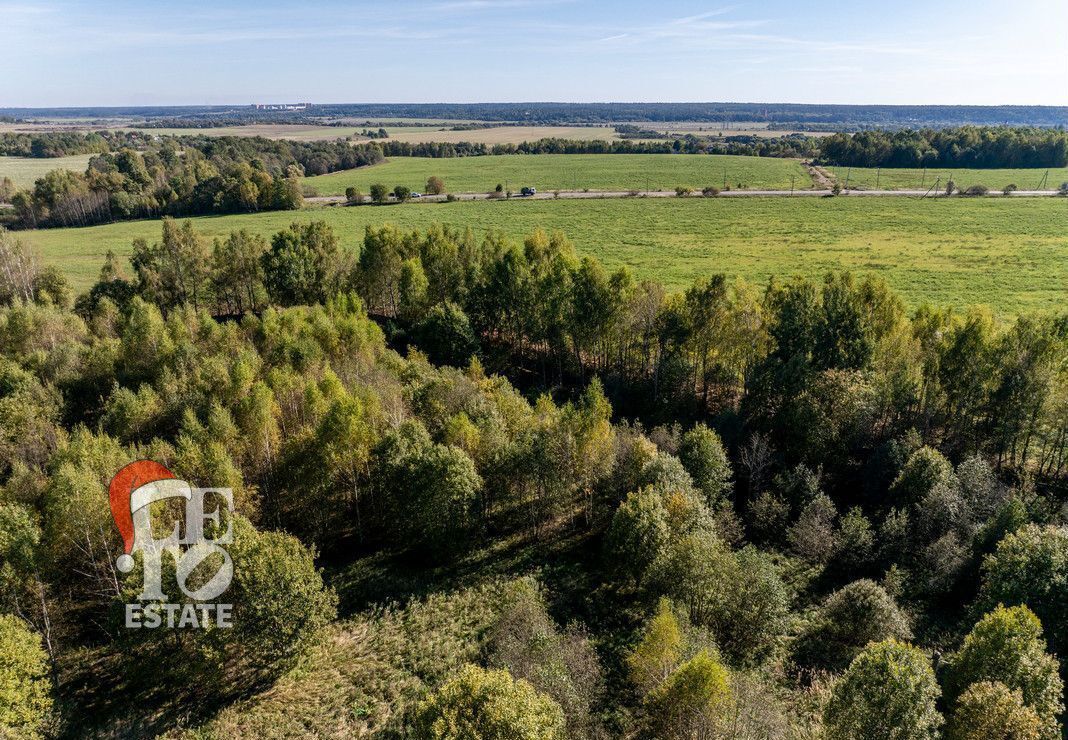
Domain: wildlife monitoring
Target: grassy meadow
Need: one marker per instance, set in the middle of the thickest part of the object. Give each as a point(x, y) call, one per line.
point(572, 172)
point(916, 179)
point(25, 170)
point(1009, 254)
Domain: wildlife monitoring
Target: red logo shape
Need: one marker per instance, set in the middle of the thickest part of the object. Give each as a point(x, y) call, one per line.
point(131, 477)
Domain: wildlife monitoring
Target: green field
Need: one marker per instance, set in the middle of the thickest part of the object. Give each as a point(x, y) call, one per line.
point(572, 172)
point(870, 178)
point(25, 170)
point(1009, 254)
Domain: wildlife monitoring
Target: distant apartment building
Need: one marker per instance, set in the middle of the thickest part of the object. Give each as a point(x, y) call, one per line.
point(280, 106)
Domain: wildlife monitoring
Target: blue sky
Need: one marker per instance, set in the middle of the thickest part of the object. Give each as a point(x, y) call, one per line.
point(866, 51)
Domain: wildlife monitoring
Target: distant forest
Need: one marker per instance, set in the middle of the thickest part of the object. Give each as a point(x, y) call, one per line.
point(577, 113)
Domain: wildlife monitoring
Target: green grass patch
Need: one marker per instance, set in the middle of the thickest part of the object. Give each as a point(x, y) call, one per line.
point(25, 170)
point(887, 178)
point(548, 172)
point(1009, 254)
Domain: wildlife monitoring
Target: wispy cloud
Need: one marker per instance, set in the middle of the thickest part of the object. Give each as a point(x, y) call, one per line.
point(471, 5)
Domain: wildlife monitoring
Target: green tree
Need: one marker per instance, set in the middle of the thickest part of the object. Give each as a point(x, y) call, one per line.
point(25, 689)
point(925, 469)
point(850, 619)
point(479, 704)
point(660, 650)
point(887, 693)
point(638, 532)
point(693, 701)
point(1030, 566)
point(379, 193)
point(431, 489)
point(446, 336)
point(989, 710)
point(237, 272)
point(304, 264)
point(701, 453)
point(281, 605)
point(1007, 646)
point(402, 193)
point(412, 290)
point(175, 270)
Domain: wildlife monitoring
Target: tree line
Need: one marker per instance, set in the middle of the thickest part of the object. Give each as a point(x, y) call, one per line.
point(66, 143)
point(966, 146)
point(776, 486)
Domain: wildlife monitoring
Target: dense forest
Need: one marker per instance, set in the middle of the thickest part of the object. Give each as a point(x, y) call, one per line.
point(550, 501)
point(182, 176)
point(968, 146)
point(579, 113)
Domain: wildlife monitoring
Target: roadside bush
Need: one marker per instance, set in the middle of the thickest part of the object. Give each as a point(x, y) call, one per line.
point(976, 191)
point(1009, 189)
point(710, 192)
point(435, 185)
point(682, 191)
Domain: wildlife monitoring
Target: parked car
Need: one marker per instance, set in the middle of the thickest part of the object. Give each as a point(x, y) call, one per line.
point(417, 195)
point(529, 191)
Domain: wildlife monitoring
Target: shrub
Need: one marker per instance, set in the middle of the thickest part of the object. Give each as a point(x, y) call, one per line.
point(711, 191)
point(25, 688)
point(435, 185)
point(281, 605)
point(976, 190)
point(1009, 189)
point(682, 191)
point(851, 618)
point(488, 705)
point(560, 664)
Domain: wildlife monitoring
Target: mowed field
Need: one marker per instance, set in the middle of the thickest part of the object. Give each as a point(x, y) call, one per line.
point(918, 179)
point(548, 172)
point(25, 170)
point(1009, 254)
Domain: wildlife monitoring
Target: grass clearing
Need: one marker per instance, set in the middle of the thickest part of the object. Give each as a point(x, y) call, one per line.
point(886, 178)
point(1009, 254)
point(25, 170)
point(548, 172)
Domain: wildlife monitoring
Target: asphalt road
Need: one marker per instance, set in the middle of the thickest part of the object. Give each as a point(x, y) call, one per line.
point(579, 194)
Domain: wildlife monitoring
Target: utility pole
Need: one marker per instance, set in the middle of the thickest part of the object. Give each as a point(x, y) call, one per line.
point(791, 184)
point(878, 174)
